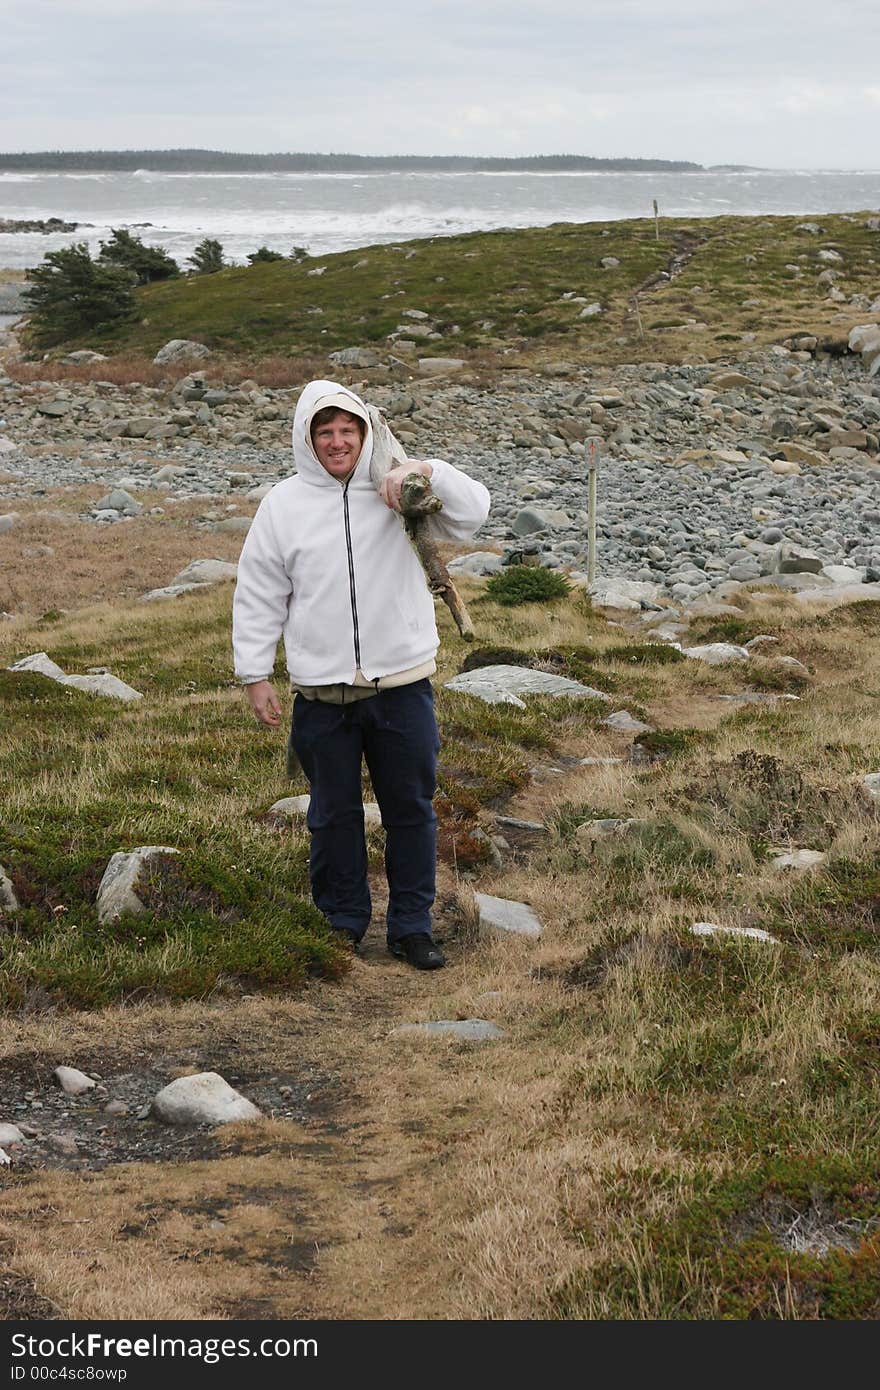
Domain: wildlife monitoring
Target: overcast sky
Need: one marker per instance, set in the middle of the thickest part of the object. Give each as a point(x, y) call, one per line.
point(785, 83)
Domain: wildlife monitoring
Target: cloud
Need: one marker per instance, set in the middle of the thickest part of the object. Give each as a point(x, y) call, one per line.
point(740, 81)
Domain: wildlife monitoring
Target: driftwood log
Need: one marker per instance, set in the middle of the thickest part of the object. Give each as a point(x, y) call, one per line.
point(417, 504)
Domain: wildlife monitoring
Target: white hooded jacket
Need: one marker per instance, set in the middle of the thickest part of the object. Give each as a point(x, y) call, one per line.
point(328, 566)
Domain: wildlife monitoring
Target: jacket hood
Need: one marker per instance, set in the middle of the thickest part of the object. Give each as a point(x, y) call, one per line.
point(315, 396)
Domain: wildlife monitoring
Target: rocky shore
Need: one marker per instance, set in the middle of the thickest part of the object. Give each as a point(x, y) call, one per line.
point(709, 475)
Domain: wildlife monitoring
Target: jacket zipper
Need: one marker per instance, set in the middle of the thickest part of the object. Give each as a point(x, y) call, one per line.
point(354, 612)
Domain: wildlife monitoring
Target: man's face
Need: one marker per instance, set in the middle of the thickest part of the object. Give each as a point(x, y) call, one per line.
point(338, 444)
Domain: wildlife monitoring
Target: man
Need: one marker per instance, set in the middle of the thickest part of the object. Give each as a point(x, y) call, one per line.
point(327, 564)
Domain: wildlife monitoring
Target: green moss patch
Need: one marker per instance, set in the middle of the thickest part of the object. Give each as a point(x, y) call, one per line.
point(796, 1238)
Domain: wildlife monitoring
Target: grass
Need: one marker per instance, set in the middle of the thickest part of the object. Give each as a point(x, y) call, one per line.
point(672, 1127)
point(498, 297)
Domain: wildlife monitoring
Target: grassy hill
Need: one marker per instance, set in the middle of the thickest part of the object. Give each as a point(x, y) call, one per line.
point(502, 294)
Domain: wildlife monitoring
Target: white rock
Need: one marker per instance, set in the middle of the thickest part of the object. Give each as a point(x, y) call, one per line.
point(8, 900)
point(299, 806)
point(206, 572)
point(72, 1081)
point(10, 1134)
point(839, 594)
point(439, 366)
point(505, 684)
point(179, 349)
point(871, 787)
point(799, 859)
point(40, 664)
point(717, 653)
point(624, 723)
point(117, 890)
point(505, 915)
point(110, 686)
point(5, 1160)
point(843, 574)
point(712, 929)
point(592, 830)
point(203, 1099)
point(468, 1029)
point(477, 562)
point(171, 591)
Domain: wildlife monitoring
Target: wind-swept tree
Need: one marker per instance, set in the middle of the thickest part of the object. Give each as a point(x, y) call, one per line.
point(264, 254)
point(145, 262)
point(207, 258)
point(70, 293)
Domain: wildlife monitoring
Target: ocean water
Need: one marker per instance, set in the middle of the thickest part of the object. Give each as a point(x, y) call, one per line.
point(335, 211)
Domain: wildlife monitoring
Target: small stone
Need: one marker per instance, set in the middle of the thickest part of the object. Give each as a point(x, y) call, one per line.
point(355, 357)
point(290, 806)
point(64, 1144)
point(717, 653)
point(793, 559)
point(439, 366)
point(205, 1098)
point(871, 787)
point(10, 1135)
point(467, 1029)
point(72, 1081)
point(179, 349)
point(624, 723)
point(206, 572)
point(505, 915)
point(712, 929)
point(116, 1107)
point(610, 829)
point(799, 859)
point(8, 900)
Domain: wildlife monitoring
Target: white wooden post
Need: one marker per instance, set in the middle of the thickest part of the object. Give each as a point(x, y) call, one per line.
point(592, 492)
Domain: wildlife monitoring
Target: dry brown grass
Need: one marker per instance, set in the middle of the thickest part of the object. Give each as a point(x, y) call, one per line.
point(437, 1179)
point(101, 564)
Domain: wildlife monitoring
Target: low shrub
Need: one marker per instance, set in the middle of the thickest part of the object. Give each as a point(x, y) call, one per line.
point(526, 584)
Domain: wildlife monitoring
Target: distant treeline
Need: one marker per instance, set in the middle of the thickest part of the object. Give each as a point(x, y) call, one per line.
point(220, 161)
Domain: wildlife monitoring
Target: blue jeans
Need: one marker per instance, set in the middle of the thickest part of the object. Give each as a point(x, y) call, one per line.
point(396, 732)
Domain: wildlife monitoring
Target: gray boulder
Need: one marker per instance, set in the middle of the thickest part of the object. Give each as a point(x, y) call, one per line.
point(505, 684)
point(355, 357)
point(118, 501)
point(439, 366)
point(624, 723)
point(8, 900)
point(532, 519)
point(203, 1099)
point(479, 562)
point(505, 915)
point(40, 664)
point(792, 559)
point(103, 684)
point(206, 572)
point(871, 787)
point(72, 1081)
point(717, 653)
point(179, 350)
point(117, 891)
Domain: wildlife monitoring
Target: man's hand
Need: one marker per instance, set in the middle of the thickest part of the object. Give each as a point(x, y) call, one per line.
point(264, 703)
point(392, 484)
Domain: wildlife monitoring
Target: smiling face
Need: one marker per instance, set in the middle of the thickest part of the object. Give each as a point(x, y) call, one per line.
point(337, 442)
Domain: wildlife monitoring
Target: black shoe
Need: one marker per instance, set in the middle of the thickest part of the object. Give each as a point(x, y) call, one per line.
point(347, 938)
point(418, 950)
